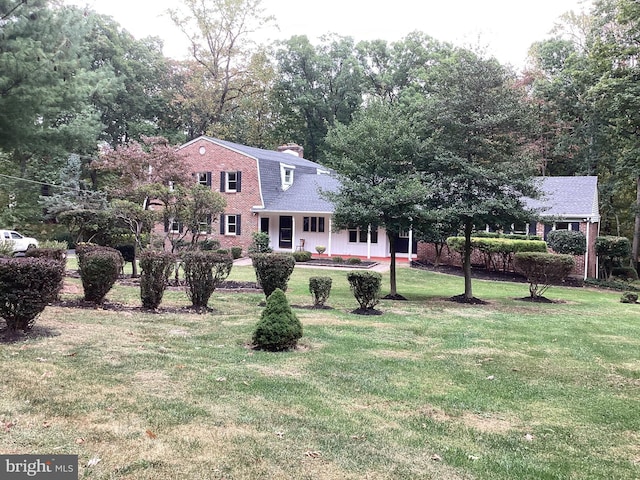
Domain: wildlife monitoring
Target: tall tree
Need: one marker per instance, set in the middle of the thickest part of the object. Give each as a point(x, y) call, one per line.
point(317, 87)
point(219, 32)
point(374, 157)
point(475, 122)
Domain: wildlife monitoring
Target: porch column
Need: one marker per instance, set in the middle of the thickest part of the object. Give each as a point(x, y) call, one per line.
point(330, 236)
point(369, 242)
point(410, 244)
point(293, 233)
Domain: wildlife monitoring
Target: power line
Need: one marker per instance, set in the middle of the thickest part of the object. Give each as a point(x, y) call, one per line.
point(42, 183)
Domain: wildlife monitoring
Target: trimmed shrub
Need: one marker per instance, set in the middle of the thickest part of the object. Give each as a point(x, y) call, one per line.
point(611, 284)
point(629, 297)
point(260, 243)
point(302, 256)
point(56, 254)
point(543, 269)
point(626, 273)
point(156, 266)
point(366, 288)
point(612, 252)
point(273, 270)
point(320, 288)
point(203, 273)
point(567, 242)
point(279, 328)
point(99, 269)
point(236, 252)
point(354, 261)
point(27, 285)
point(337, 259)
point(222, 251)
point(209, 245)
point(498, 252)
point(321, 249)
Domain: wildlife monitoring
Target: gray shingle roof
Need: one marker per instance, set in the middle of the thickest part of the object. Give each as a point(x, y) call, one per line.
point(567, 197)
point(304, 195)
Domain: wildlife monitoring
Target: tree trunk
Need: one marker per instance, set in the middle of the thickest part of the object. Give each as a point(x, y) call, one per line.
point(392, 268)
point(636, 230)
point(466, 262)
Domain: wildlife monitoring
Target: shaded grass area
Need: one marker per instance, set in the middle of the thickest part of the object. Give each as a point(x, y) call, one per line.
point(429, 389)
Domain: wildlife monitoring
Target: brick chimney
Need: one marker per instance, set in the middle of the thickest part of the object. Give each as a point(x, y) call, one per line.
point(293, 149)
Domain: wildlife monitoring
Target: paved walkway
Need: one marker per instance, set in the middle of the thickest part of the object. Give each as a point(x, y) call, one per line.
point(381, 267)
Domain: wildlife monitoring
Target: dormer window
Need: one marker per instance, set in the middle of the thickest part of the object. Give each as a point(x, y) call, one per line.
point(286, 175)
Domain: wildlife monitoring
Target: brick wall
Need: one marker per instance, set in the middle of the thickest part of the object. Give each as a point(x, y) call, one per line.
point(204, 156)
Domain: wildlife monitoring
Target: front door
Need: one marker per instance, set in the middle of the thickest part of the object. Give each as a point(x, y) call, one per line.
point(286, 232)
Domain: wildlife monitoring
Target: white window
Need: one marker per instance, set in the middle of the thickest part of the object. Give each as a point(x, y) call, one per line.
point(175, 227)
point(232, 182)
point(231, 227)
point(171, 186)
point(286, 175)
point(204, 178)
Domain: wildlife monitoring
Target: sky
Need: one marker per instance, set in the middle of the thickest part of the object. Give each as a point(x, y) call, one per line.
point(504, 29)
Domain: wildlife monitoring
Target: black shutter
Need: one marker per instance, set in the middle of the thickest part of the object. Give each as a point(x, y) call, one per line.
point(222, 181)
point(208, 179)
point(238, 223)
point(238, 181)
point(533, 228)
point(547, 229)
point(209, 222)
point(222, 224)
point(180, 227)
point(575, 226)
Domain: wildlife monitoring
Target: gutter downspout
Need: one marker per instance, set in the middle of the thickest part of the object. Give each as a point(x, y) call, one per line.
point(586, 255)
point(330, 236)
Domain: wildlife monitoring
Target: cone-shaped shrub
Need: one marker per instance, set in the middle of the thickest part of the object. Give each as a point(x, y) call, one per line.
point(27, 285)
point(99, 269)
point(156, 268)
point(273, 270)
point(366, 288)
point(203, 272)
point(279, 328)
point(320, 288)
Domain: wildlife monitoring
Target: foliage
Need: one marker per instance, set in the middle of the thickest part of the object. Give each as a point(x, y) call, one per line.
point(209, 244)
point(620, 285)
point(354, 261)
point(337, 259)
point(476, 126)
point(543, 269)
point(27, 286)
point(99, 269)
point(128, 252)
point(320, 288)
point(6, 249)
point(612, 252)
point(320, 249)
point(203, 273)
point(259, 243)
point(302, 256)
point(236, 252)
point(156, 268)
point(626, 273)
point(366, 288)
point(279, 328)
point(567, 242)
point(497, 252)
point(379, 183)
point(629, 297)
point(273, 270)
point(54, 244)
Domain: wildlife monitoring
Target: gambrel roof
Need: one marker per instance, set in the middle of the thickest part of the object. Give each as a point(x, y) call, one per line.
point(568, 198)
point(309, 177)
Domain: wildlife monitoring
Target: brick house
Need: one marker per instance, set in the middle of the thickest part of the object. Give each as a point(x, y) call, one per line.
point(277, 192)
point(567, 203)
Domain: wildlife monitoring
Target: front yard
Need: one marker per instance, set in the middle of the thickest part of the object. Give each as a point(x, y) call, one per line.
point(429, 389)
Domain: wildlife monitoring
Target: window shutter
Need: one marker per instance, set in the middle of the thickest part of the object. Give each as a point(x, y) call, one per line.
point(547, 229)
point(208, 179)
point(533, 226)
point(166, 225)
point(180, 227)
point(222, 224)
point(209, 223)
point(239, 181)
point(222, 182)
point(575, 226)
point(238, 224)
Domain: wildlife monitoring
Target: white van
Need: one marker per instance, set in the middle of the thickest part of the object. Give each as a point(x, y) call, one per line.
point(19, 242)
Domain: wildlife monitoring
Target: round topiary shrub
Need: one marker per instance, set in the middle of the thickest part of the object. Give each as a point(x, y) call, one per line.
point(236, 252)
point(354, 261)
point(302, 256)
point(320, 288)
point(279, 328)
point(337, 259)
point(27, 285)
point(366, 288)
point(273, 270)
point(203, 272)
point(99, 269)
point(156, 266)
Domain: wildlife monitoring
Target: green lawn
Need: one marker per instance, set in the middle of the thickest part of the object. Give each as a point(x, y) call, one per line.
point(429, 389)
